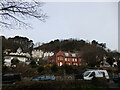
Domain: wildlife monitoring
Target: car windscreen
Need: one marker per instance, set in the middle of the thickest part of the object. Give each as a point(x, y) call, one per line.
point(86, 74)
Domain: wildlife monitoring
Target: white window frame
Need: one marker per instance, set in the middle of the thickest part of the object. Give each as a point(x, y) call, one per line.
point(66, 59)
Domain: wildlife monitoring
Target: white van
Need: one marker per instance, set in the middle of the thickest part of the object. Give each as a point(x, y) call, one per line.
point(88, 75)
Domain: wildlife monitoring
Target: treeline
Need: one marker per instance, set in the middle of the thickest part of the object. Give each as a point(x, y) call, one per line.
point(67, 45)
point(14, 43)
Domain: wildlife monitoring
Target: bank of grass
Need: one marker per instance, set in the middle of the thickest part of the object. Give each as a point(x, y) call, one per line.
point(57, 85)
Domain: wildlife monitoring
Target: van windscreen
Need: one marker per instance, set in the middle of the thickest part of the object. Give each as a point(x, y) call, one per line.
point(86, 74)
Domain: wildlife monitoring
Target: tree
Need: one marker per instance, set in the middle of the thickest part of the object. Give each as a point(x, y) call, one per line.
point(14, 61)
point(68, 69)
point(64, 45)
point(23, 42)
point(110, 60)
point(14, 12)
point(54, 68)
point(93, 54)
point(118, 63)
point(24, 69)
point(33, 64)
point(42, 62)
point(94, 42)
point(40, 69)
point(15, 42)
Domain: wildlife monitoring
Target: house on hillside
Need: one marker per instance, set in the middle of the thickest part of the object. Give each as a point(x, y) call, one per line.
point(39, 54)
point(21, 56)
point(69, 58)
point(48, 54)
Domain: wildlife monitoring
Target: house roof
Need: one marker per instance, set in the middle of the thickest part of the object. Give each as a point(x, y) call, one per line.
point(68, 54)
point(7, 56)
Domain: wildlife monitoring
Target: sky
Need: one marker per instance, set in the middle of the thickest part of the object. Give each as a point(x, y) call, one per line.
point(79, 20)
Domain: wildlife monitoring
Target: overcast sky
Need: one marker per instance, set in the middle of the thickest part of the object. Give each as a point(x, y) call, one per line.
point(80, 20)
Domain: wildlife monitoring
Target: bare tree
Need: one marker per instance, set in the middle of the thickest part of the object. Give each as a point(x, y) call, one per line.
point(15, 12)
point(93, 54)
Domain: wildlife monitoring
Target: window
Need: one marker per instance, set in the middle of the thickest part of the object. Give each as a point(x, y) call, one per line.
point(66, 54)
point(73, 55)
point(65, 59)
point(60, 58)
point(60, 64)
point(76, 59)
point(68, 63)
point(68, 59)
point(73, 59)
point(75, 64)
point(92, 74)
point(86, 74)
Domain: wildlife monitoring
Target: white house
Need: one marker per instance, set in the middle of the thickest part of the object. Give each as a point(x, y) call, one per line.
point(47, 54)
point(37, 53)
point(22, 57)
point(41, 54)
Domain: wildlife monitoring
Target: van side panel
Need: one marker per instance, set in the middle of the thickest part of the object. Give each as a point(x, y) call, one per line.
point(98, 74)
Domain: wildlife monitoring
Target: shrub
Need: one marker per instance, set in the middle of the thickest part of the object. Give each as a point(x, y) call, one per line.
point(40, 69)
point(56, 85)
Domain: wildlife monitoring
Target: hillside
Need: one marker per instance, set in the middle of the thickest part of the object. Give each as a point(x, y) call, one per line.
point(64, 45)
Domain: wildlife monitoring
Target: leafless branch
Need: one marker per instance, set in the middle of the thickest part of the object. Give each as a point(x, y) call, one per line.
point(10, 9)
point(4, 23)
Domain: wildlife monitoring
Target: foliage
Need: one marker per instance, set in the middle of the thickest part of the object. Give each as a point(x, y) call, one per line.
point(33, 64)
point(110, 60)
point(55, 85)
point(23, 68)
point(42, 62)
point(6, 69)
point(31, 72)
point(54, 68)
point(40, 69)
point(14, 61)
point(68, 69)
point(64, 45)
point(93, 54)
point(118, 62)
point(14, 43)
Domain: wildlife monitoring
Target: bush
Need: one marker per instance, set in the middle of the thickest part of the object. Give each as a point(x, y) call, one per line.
point(56, 85)
point(54, 68)
point(40, 69)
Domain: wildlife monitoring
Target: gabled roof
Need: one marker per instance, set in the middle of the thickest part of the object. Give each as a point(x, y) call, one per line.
point(68, 54)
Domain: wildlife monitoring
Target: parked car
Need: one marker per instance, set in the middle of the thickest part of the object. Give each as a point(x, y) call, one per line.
point(44, 77)
point(11, 78)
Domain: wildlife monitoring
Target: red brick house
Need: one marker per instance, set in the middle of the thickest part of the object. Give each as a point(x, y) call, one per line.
point(69, 58)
